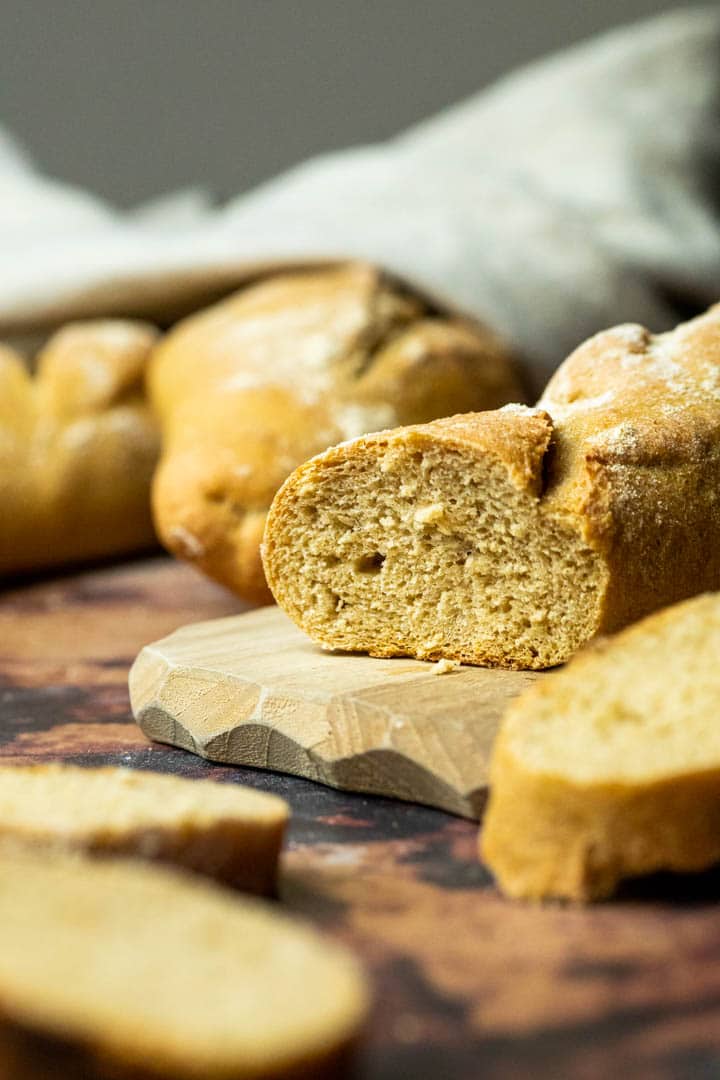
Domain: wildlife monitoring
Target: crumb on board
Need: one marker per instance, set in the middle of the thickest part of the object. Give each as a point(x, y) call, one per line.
point(444, 667)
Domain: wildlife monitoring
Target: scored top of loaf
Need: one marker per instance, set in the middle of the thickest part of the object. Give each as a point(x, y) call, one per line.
point(625, 375)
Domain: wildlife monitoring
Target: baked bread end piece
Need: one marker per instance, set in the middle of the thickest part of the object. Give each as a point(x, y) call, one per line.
point(610, 767)
point(433, 541)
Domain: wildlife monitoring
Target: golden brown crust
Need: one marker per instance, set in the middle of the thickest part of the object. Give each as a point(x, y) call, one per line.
point(27, 1054)
point(637, 461)
point(77, 447)
point(517, 437)
point(252, 387)
point(578, 843)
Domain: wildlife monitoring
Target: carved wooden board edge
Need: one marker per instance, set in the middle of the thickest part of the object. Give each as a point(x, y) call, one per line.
point(252, 690)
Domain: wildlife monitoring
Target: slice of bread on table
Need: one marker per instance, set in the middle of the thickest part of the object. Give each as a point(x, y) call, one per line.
point(512, 537)
point(114, 969)
point(225, 831)
point(253, 386)
point(610, 767)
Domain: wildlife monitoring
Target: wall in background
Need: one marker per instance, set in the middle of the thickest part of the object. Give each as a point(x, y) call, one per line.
point(135, 97)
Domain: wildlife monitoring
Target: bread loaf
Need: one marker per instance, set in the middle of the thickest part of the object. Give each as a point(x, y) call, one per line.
point(512, 537)
point(226, 831)
point(250, 388)
point(610, 767)
point(117, 969)
point(78, 447)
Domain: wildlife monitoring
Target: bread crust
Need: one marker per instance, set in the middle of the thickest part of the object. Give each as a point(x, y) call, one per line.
point(622, 455)
point(78, 446)
point(253, 386)
point(636, 461)
point(29, 1054)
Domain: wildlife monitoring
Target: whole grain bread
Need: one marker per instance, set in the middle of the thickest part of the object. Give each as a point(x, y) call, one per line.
point(513, 537)
point(610, 767)
point(78, 446)
point(117, 969)
point(252, 387)
point(226, 831)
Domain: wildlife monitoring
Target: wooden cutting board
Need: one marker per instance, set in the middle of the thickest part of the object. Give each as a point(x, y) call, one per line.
point(254, 690)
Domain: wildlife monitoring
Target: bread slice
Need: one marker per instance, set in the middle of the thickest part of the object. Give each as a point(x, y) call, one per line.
point(512, 537)
point(610, 767)
point(228, 832)
point(121, 969)
point(253, 386)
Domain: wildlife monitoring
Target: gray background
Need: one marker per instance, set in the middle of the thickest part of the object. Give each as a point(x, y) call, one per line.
point(134, 97)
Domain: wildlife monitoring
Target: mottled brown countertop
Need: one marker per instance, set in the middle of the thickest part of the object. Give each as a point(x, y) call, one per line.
point(467, 985)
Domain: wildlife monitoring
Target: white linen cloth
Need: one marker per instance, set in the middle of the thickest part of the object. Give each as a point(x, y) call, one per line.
point(578, 193)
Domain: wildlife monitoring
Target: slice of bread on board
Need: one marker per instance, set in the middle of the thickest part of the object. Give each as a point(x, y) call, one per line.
point(610, 767)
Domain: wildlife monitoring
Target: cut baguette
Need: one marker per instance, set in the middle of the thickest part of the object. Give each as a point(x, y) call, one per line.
point(512, 537)
point(228, 832)
point(120, 969)
point(610, 768)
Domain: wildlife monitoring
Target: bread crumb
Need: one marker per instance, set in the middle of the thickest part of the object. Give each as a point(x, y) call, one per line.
point(444, 667)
